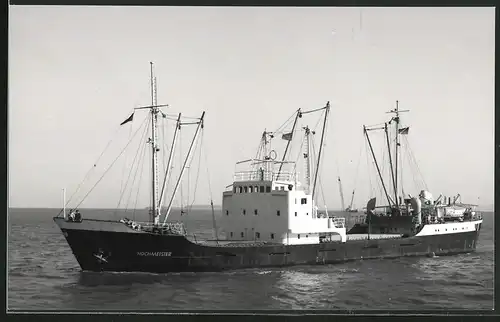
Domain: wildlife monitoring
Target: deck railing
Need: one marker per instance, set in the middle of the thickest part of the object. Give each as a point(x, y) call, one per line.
point(262, 175)
point(169, 228)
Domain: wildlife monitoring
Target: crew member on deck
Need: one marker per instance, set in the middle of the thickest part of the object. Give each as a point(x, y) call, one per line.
point(78, 216)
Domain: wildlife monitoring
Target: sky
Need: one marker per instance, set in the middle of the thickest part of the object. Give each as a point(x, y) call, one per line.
point(76, 72)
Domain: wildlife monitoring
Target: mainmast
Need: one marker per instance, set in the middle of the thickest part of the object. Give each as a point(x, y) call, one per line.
point(396, 111)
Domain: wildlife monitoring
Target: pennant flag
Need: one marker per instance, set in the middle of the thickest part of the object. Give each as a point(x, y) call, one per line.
point(287, 136)
point(404, 130)
point(129, 119)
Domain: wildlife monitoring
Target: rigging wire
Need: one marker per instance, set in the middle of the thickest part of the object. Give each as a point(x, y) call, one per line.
point(140, 165)
point(164, 145)
point(189, 164)
point(105, 172)
point(91, 169)
point(369, 170)
point(285, 123)
point(198, 171)
point(182, 181)
point(142, 138)
point(139, 183)
point(125, 163)
point(416, 163)
point(357, 170)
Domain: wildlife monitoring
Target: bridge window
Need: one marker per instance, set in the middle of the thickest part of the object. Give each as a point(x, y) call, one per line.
point(307, 214)
point(261, 188)
point(242, 234)
point(307, 236)
point(257, 235)
point(227, 212)
point(268, 189)
point(295, 214)
point(244, 212)
point(276, 188)
point(298, 236)
point(255, 212)
point(303, 201)
point(255, 189)
point(282, 188)
point(231, 234)
point(246, 189)
point(250, 189)
point(234, 189)
point(272, 236)
point(277, 213)
point(240, 189)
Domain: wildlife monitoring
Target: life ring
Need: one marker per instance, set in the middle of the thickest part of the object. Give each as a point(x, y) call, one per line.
point(273, 156)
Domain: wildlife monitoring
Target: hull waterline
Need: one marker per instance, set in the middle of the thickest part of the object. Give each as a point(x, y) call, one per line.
point(111, 246)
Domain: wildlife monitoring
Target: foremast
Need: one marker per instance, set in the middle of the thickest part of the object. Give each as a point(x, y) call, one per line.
point(156, 197)
point(154, 155)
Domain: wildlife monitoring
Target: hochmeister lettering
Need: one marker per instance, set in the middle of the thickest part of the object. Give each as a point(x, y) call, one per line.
point(154, 254)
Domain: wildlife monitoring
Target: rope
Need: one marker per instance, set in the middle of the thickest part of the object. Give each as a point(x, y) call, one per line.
point(133, 163)
point(139, 183)
point(298, 156)
point(286, 122)
point(124, 164)
point(140, 161)
point(198, 171)
point(208, 173)
point(182, 181)
point(416, 163)
point(90, 170)
point(105, 172)
point(357, 168)
point(368, 167)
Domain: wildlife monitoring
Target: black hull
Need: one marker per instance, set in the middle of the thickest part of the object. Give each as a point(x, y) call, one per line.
point(122, 251)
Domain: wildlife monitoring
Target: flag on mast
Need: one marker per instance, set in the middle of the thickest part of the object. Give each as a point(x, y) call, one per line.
point(404, 130)
point(287, 136)
point(129, 119)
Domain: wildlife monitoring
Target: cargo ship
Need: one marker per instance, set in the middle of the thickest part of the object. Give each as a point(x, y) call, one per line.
point(269, 217)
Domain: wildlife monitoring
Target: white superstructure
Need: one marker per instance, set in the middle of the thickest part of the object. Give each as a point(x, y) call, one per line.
point(274, 211)
point(267, 203)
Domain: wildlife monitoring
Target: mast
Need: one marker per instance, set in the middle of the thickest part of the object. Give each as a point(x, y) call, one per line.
point(396, 155)
point(289, 141)
point(308, 159)
point(390, 162)
point(327, 109)
point(169, 164)
point(200, 125)
point(396, 119)
point(376, 164)
point(154, 149)
point(341, 194)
